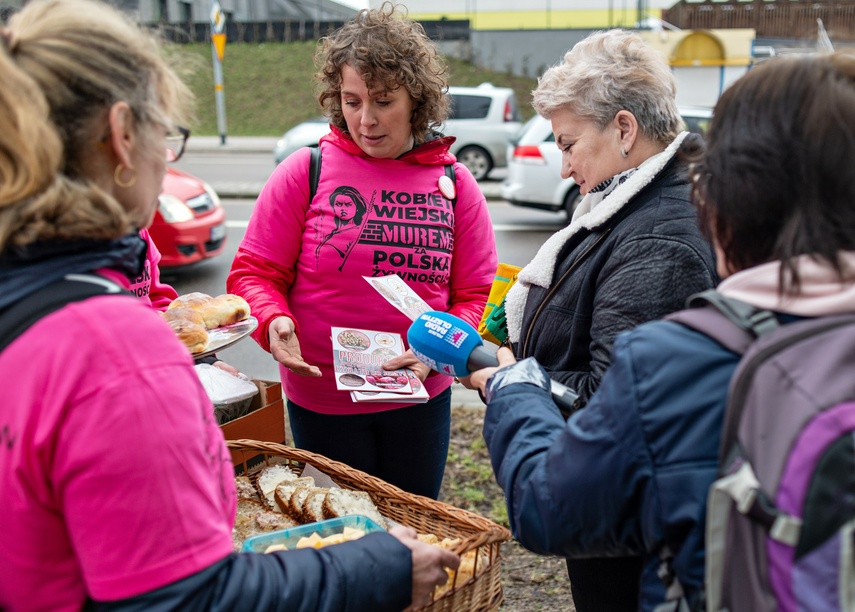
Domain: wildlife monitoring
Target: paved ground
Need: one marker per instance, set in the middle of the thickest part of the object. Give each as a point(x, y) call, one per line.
point(465, 398)
point(265, 144)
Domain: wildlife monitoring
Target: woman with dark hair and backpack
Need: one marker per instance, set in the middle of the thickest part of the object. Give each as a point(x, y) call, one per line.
point(117, 488)
point(630, 474)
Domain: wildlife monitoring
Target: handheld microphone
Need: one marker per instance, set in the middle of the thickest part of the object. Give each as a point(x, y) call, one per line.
point(449, 345)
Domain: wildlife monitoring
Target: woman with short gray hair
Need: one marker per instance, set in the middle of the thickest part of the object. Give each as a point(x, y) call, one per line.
point(632, 252)
point(609, 72)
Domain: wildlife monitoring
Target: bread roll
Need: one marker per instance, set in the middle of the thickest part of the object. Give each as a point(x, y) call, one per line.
point(193, 300)
point(182, 312)
point(194, 336)
point(217, 311)
point(224, 310)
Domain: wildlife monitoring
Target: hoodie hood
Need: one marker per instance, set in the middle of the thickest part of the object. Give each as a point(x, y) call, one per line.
point(434, 152)
point(27, 269)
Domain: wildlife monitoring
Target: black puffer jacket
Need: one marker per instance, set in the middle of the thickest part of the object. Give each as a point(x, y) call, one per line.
point(638, 266)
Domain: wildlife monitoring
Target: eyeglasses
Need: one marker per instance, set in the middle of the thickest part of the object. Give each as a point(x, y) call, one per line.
point(175, 145)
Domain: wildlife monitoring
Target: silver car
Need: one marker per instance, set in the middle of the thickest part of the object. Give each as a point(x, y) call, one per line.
point(483, 119)
point(534, 165)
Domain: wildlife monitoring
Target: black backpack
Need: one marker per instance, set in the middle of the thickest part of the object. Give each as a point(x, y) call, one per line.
point(18, 317)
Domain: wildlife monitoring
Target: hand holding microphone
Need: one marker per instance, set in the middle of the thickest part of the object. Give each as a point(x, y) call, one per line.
point(449, 345)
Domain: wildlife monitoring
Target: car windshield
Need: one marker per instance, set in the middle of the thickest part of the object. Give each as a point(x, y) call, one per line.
point(469, 107)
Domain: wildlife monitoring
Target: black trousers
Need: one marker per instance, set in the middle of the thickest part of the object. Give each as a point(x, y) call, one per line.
point(407, 447)
point(606, 584)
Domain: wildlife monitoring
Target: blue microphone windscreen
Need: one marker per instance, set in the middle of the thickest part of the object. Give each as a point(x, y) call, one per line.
point(443, 342)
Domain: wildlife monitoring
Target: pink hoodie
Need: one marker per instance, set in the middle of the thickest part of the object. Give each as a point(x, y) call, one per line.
point(302, 260)
point(822, 292)
point(147, 285)
point(114, 477)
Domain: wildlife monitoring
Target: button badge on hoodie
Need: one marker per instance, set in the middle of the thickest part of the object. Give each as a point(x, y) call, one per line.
point(447, 187)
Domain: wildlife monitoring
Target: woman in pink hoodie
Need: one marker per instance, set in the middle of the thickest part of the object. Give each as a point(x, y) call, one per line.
point(301, 268)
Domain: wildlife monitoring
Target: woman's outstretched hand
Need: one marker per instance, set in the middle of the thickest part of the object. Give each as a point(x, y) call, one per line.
point(285, 347)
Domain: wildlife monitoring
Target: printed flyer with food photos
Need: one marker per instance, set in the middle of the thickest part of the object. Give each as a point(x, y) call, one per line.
point(358, 357)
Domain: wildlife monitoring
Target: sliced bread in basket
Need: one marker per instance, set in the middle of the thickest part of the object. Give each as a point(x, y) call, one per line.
point(269, 478)
point(343, 502)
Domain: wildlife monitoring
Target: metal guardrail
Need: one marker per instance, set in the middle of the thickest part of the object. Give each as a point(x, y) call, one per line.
point(292, 31)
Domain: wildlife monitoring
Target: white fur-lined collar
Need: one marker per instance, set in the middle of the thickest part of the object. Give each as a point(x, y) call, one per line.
point(539, 271)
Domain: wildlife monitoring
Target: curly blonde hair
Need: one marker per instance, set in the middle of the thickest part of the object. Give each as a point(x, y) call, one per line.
point(68, 62)
point(608, 72)
point(389, 51)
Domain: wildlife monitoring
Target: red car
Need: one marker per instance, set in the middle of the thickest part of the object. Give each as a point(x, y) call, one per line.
point(189, 225)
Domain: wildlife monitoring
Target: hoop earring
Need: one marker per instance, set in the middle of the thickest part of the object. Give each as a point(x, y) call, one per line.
point(623, 152)
point(117, 177)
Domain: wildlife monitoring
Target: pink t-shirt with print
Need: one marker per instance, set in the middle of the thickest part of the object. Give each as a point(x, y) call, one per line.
point(148, 286)
point(114, 476)
point(370, 217)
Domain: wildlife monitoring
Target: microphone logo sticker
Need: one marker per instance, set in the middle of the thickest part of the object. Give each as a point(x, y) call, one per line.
point(429, 362)
point(456, 337)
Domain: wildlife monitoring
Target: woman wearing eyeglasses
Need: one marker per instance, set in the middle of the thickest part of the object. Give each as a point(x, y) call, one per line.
point(116, 485)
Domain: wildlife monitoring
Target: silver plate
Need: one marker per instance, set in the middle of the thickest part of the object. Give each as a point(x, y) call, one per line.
point(224, 337)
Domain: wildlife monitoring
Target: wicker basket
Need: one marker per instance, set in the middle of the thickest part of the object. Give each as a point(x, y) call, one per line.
point(481, 593)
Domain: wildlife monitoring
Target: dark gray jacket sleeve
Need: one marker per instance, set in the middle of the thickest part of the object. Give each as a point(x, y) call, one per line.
point(572, 488)
point(373, 573)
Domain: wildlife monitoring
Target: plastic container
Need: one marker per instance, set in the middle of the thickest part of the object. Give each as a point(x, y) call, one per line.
point(290, 537)
point(231, 395)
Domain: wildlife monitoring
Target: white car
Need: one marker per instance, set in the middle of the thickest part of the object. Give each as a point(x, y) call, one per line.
point(534, 165)
point(483, 119)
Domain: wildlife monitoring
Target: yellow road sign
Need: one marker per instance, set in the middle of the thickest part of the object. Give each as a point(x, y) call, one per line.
point(219, 41)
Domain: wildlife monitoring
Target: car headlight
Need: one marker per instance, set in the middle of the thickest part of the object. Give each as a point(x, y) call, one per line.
point(173, 210)
point(214, 197)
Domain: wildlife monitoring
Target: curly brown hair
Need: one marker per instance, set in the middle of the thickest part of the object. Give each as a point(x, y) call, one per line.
point(389, 51)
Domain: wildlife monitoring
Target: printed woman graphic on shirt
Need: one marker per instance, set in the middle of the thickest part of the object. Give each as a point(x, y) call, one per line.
point(349, 208)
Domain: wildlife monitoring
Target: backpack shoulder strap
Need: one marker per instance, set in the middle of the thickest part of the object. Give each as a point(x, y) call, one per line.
point(731, 323)
point(315, 174)
point(314, 171)
point(17, 318)
point(449, 172)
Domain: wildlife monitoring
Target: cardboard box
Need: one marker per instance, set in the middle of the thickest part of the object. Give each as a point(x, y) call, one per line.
point(265, 420)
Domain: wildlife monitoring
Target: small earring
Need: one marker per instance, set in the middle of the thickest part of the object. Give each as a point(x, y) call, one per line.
point(623, 152)
point(117, 177)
